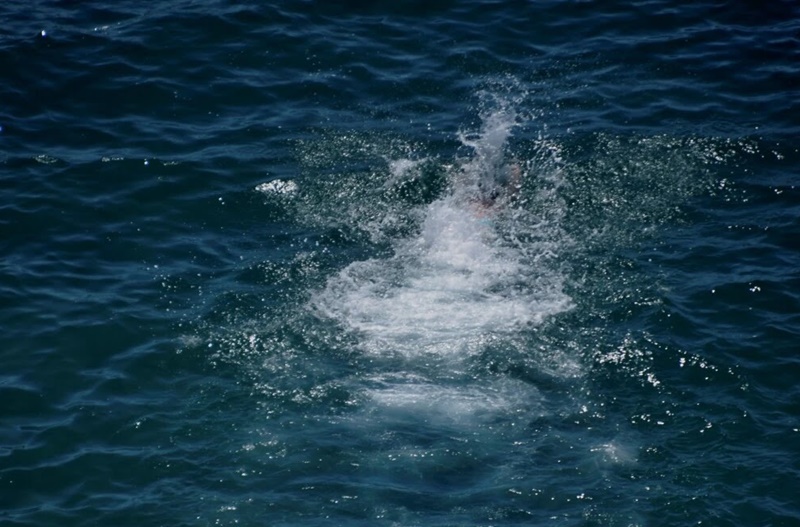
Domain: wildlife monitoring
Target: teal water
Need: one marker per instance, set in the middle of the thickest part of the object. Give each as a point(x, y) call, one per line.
point(399, 263)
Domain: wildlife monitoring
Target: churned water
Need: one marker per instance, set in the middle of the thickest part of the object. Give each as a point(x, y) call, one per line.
point(400, 263)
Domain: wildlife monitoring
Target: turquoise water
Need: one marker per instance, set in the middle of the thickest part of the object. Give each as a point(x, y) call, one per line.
point(399, 263)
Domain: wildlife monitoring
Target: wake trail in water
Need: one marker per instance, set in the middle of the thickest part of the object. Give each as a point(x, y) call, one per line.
point(479, 271)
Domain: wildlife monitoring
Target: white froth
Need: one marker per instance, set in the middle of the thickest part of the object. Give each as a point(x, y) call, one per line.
point(277, 186)
point(442, 292)
point(416, 395)
point(465, 278)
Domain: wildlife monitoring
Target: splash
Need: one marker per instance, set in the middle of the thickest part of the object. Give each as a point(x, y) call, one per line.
point(478, 267)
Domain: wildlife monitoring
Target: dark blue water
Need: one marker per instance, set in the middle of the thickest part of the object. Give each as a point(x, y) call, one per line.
point(400, 263)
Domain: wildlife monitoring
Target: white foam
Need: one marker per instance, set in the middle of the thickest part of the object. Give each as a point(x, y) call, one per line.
point(475, 272)
point(441, 292)
point(445, 288)
point(418, 396)
point(277, 186)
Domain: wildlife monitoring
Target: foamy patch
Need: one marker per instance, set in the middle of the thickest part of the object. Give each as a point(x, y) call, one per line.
point(421, 398)
point(442, 292)
point(474, 271)
point(277, 186)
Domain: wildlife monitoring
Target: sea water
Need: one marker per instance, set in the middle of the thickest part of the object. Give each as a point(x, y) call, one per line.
point(399, 263)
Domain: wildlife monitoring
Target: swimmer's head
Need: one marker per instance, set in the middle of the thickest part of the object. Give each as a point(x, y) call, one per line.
point(488, 194)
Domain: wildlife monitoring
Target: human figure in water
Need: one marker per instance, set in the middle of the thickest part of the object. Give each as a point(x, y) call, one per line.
point(502, 190)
